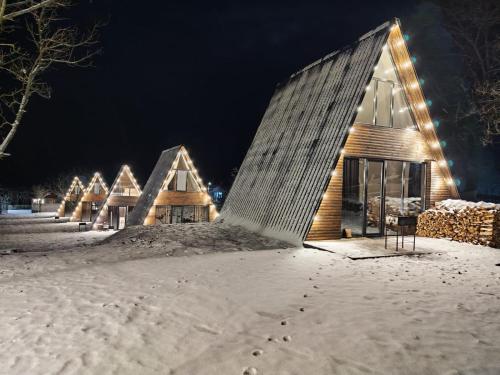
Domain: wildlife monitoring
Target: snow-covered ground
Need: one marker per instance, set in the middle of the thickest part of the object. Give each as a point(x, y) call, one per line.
point(135, 305)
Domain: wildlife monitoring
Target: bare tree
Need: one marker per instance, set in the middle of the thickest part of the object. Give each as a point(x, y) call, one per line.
point(475, 28)
point(40, 191)
point(47, 39)
point(60, 184)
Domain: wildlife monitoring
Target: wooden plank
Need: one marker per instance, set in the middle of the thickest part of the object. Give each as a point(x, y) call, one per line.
point(181, 198)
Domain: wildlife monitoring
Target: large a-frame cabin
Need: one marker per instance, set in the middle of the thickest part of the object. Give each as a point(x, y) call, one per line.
point(91, 201)
point(120, 201)
point(174, 193)
point(346, 143)
point(71, 198)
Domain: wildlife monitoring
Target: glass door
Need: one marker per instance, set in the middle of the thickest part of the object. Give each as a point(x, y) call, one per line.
point(376, 192)
point(353, 196)
point(374, 197)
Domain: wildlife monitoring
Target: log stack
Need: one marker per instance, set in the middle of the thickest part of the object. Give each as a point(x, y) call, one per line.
point(477, 223)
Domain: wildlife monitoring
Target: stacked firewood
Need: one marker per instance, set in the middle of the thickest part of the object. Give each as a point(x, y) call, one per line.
point(477, 223)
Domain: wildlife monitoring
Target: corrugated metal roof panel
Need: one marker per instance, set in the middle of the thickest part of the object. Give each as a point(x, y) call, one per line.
point(154, 184)
point(287, 168)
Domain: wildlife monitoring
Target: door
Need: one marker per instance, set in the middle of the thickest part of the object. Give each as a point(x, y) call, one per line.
point(122, 211)
point(374, 195)
point(176, 214)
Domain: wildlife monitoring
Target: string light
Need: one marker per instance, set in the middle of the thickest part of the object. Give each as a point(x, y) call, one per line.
point(406, 65)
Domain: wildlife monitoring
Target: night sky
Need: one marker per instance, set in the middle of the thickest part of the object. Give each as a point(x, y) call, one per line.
point(196, 73)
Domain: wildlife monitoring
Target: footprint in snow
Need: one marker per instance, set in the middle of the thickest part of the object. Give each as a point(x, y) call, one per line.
point(287, 338)
point(250, 371)
point(257, 352)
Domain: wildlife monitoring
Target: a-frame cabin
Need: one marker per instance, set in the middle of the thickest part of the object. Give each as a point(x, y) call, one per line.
point(347, 143)
point(91, 201)
point(120, 201)
point(174, 193)
point(71, 198)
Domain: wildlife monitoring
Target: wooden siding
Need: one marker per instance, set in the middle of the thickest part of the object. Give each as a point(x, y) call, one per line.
point(122, 200)
point(328, 218)
point(439, 188)
point(182, 198)
point(387, 143)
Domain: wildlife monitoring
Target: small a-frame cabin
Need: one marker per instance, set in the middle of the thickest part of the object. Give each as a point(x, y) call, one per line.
point(91, 201)
point(174, 193)
point(346, 145)
point(120, 201)
point(71, 198)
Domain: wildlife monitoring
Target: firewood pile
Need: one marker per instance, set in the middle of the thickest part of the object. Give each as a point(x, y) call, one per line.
point(477, 223)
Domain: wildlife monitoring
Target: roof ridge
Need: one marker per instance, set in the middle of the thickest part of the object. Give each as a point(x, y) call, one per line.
point(329, 56)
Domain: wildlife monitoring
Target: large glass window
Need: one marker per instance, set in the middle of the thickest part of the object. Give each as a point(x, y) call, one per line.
point(365, 115)
point(384, 103)
point(413, 188)
point(401, 115)
point(393, 191)
point(373, 196)
point(372, 188)
point(353, 195)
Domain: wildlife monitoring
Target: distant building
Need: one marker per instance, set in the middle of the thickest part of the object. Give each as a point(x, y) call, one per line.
point(120, 201)
point(46, 204)
point(218, 194)
point(174, 193)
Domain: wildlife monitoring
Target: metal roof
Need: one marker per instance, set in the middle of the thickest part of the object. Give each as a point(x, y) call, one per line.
point(153, 186)
point(297, 145)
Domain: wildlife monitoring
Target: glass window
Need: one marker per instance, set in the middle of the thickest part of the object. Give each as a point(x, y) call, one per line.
point(373, 196)
point(384, 102)
point(353, 195)
point(385, 68)
point(413, 188)
point(393, 192)
point(97, 188)
point(401, 113)
point(181, 180)
point(365, 115)
point(162, 214)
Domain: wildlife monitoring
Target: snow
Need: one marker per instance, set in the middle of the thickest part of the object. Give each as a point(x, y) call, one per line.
point(134, 305)
point(458, 204)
